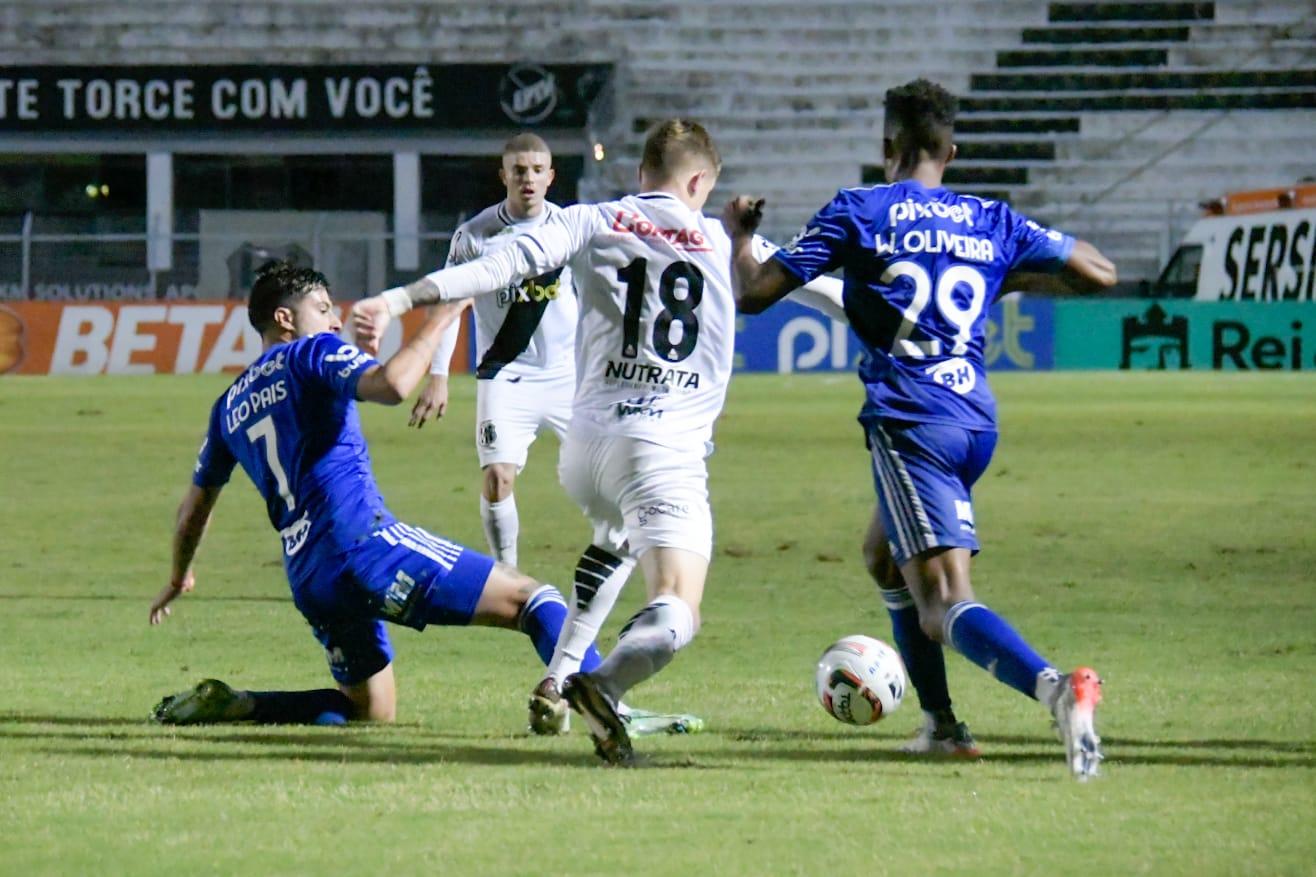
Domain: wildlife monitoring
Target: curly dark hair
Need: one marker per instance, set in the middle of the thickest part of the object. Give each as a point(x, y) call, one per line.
point(920, 117)
point(280, 284)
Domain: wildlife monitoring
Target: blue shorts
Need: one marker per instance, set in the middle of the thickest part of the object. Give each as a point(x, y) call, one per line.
point(401, 574)
point(924, 474)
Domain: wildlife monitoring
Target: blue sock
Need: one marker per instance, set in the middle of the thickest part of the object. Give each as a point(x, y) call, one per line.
point(541, 620)
point(322, 706)
point(924, 660)
point(989, 641)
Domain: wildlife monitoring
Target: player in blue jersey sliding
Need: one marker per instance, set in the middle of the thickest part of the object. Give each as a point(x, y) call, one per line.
point(290, 421)
point(921, 265)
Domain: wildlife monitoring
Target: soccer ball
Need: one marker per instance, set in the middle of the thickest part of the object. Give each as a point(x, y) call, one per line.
point(860, 680)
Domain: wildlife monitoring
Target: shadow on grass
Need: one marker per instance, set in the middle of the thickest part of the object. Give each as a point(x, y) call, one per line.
point(1041, 748)
point(1287, 747)
point(360, 745)
point(378, 745)
point(1051, 754)
point(85, 721)
point(330, 751)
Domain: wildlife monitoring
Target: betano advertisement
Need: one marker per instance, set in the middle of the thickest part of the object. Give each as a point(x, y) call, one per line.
point(1022, 334)
point(38, 338)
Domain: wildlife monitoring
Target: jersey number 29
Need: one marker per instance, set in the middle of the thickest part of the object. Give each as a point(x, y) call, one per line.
point(675, 310)
point(962, 318)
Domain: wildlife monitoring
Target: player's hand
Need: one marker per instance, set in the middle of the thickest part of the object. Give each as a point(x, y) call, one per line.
point(160, 606)
point(433, 401)
point(742, 215)
point(370, 318)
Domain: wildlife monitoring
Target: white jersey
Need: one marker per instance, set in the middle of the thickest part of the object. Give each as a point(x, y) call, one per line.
point(657, 317)
point(526, 330)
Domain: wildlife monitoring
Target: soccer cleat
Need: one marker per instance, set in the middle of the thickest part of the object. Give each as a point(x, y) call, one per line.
point(210, 701)
point(549, 715)
point(643, 723)
point(611, 742)
point(949, 741)
point(1074, 707)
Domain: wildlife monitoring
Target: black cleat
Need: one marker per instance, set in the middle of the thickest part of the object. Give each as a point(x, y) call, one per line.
point(611, 742)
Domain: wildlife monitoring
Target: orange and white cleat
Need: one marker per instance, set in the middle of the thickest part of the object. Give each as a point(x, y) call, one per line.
point(1074, 709)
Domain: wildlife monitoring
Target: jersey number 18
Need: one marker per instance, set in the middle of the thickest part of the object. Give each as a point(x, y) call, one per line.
point(675, 310)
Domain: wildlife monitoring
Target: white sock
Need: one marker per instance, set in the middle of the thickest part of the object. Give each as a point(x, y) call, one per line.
point(600, 576)
point(648, 643)
point(501, 527)
point(1048, 683)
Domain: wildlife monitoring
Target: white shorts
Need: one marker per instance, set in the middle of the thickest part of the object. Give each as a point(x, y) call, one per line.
point(639, 495)
point(510, 413)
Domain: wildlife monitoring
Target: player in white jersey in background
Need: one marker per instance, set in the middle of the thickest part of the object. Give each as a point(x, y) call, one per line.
point(524, 337)
point(653, 359)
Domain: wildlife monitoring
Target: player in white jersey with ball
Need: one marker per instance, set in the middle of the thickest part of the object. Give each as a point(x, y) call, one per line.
point(525, 373)
point(653, 360)
point(524, 337)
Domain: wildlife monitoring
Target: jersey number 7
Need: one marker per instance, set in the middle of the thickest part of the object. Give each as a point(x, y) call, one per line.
point(675, 310)
point(264, 428)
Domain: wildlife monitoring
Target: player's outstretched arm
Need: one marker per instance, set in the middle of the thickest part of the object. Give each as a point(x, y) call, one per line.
point(1087, 262)
point(371, 316)
point(193, 516)
point(756, 285)
point(393, 381)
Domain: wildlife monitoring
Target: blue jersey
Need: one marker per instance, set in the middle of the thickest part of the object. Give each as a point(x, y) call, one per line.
point(291, 421)
point(921, 267)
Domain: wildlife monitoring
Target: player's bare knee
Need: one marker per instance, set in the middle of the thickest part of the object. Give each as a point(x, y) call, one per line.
point(932, 621)
point(881, 566)
point(505, 594)
point(374, 700)
point(499, 479)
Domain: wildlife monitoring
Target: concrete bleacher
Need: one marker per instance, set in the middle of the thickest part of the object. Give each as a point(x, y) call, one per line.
point(1111, 118)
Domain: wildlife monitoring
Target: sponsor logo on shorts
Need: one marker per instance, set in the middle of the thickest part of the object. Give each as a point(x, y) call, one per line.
point(650, 512)
point(337, 660)
point(964, 511)
point(398, 595)
point(488, 434)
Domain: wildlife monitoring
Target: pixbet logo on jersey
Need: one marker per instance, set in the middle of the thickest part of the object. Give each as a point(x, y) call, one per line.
point(691, 240)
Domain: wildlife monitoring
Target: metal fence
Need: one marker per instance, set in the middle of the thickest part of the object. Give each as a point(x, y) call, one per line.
point(202, 264)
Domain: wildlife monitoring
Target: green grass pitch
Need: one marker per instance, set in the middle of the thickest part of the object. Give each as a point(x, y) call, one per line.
point(1158, 526)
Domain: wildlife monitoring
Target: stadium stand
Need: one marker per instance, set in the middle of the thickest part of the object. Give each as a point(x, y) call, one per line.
point(1112, 119)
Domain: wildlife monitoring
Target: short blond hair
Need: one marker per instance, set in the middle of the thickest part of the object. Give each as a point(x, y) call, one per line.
point(676, 143)
point(526, 142)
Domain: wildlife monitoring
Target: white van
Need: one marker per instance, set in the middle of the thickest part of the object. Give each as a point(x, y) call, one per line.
point(1253, 246)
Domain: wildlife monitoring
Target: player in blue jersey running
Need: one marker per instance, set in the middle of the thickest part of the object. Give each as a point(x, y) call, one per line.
point(290, 420)
point(921, 265)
